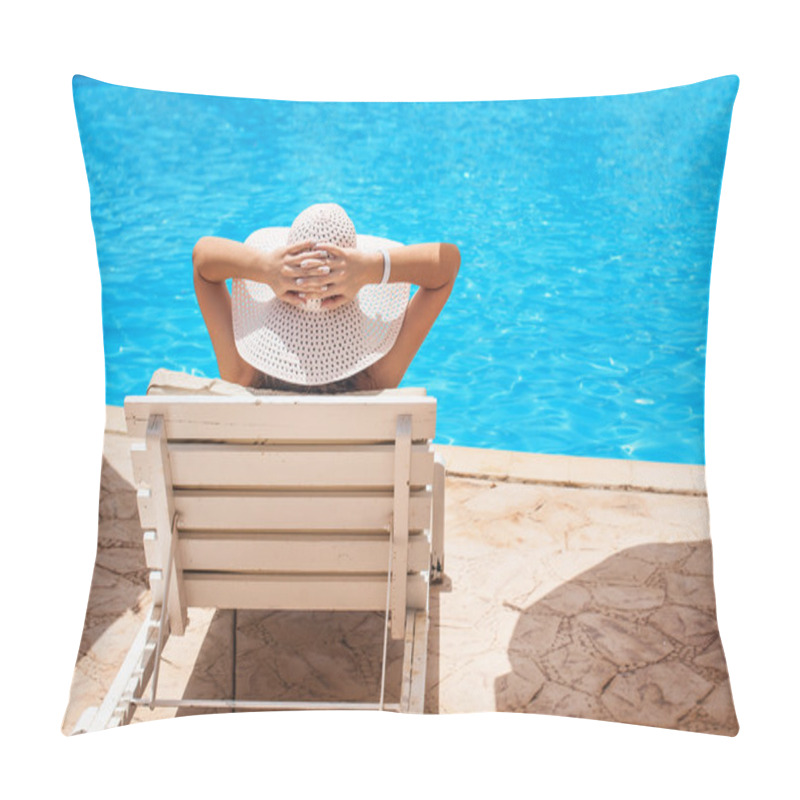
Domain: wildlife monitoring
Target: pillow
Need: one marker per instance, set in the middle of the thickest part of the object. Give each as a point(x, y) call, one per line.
point(568, 368)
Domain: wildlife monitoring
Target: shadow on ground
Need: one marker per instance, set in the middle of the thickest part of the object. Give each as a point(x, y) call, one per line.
point(287, 656)
point(278, 656)
point(634, 640)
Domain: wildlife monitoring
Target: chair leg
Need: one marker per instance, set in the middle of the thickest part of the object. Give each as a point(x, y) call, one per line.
point(415, 662)
point(437, 523)
point(117, 708)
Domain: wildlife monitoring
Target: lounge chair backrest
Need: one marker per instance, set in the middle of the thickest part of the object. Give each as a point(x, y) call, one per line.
point(285, 502)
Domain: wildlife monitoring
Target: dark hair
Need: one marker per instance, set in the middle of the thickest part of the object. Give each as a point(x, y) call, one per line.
point(354, 383)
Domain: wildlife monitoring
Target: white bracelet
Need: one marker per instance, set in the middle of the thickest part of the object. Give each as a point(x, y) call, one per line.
point(387, 265)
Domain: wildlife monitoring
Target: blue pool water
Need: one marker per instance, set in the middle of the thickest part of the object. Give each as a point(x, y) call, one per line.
point(578, 322)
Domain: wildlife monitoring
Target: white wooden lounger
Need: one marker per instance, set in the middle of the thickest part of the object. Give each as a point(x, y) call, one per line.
point(284, 502)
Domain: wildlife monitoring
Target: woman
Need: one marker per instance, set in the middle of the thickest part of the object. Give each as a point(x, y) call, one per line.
point(320, 308)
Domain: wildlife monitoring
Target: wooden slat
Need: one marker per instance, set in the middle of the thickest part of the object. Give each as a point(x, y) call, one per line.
point(294, 418)
point(301, 592)
point(282, 552)
point(163, 516)
point(281, 511)
point(282, 466)
point(400, 525)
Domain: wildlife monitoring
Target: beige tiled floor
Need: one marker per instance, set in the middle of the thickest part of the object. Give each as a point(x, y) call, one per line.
point(576, 587)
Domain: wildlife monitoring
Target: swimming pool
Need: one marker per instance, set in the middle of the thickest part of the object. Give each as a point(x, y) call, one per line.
point(578, 322)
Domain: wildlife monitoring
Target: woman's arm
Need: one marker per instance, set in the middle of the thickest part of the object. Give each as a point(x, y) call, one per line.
point(215, 260)
point(431, 267)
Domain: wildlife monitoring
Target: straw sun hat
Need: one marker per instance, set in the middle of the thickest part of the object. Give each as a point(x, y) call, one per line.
point(310, 345)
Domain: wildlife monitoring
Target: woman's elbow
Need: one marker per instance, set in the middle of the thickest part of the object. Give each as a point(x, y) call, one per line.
point(451, 258)
point(199, 254)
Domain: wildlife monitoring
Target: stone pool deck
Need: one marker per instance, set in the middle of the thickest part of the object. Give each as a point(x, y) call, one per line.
point(573, 586)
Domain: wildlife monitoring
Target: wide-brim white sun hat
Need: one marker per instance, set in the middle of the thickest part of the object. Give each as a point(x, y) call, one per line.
point(311, 346)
